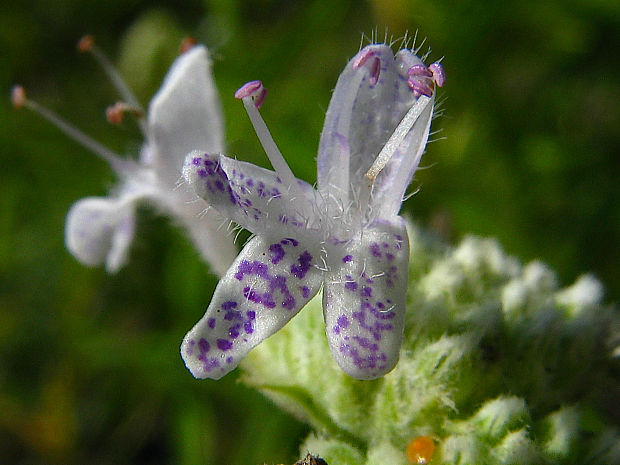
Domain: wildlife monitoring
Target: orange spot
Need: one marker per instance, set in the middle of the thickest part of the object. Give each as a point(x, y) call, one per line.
point(18, 96)
point(114, 113)
point(187, 44)
point(420, 450)
point(85, 43)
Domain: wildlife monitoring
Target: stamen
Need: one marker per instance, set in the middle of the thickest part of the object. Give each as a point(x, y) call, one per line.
point(396, 138)
point(419, 87)
point(19, 99)
point(252, 95)
point(439, 75)
point(115, 113)
point(419, 70)
point(87, 44)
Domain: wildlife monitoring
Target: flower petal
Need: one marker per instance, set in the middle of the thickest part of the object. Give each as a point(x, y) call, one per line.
point(391, 184)
point(269, 282)
point(251, 196)
point(362, 115)
point(185, 114)
point(364, 300)
point(100, 229)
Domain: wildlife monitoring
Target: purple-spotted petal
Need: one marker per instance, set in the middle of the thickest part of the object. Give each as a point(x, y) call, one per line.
point(251, 196)
point(100, 229)
point(184, 115)
point(364, 300)
point(268, 283)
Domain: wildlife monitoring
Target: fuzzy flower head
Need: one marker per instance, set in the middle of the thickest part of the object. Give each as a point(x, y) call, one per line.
point(183, 115)
point(345, 236)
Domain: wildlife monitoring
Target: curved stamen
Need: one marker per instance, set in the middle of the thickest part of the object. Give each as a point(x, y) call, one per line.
point(19, 99)
point(87, 44)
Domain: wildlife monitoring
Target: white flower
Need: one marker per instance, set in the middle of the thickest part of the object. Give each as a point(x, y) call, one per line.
point(183, 115)
point(345, 236)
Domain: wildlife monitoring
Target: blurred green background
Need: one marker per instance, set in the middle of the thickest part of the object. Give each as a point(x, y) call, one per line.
point(89, 364)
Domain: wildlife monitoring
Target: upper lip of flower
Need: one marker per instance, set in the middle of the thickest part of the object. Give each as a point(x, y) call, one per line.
point(345, 236)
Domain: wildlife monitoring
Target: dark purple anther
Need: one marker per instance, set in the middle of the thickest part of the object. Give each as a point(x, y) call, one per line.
point(439, 75)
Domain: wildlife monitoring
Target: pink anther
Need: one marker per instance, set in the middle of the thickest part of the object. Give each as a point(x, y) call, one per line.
point(419, 87)
point(18, 96)
point(419, 70)
point(252, 89)
point(375, 70)
point(439, 75)
point(363, 58)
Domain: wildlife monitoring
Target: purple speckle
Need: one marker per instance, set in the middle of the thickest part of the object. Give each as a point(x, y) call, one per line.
point(196, 161)
point(366, 292)
point(251, 314)
point(304, 260)
point(233, 331)
point(347, 258)
point(190, 347)
point(276, 253)
point(289, 240)
point(211, 323)
point(224, 344)
point(305, 292)
point(202, 173)
point(203, 346)
point(247, 326)
point(229, 304)
point(229, 359)
point(233, 315)
point(343, 321)
point(350, 284)
point(374, 249)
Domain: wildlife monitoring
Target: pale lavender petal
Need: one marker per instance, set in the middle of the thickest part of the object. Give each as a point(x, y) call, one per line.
point(364, 299)
point(184, 115)
point(391, 184)
point(251, 196)
point(100, 229)
point(366, 107)
point(269, 282)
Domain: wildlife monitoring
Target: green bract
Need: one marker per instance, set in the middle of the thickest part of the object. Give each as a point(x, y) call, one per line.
point(498, 365)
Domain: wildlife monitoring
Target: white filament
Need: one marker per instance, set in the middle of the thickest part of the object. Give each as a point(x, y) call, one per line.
point(273, 153)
